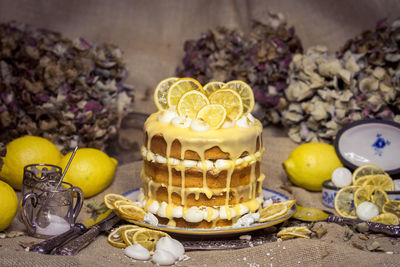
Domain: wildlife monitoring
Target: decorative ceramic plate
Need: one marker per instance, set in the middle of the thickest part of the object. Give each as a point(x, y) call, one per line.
point(370, 142)
point(267, 193)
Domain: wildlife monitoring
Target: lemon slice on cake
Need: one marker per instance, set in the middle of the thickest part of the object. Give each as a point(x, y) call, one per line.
point(212, 86)
point(230, 100)
point(191, 102)
point(214, 115)
point(179, 88)
point(161, 92)
point(245, 92)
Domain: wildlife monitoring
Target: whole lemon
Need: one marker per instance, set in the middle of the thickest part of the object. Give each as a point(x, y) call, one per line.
point(91, 170)
point(8, 205)
point(310, 164)
point(23, 151)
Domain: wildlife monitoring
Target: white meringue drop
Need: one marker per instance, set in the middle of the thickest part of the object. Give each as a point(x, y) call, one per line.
point(138, 252)
point(181, 121)
point(150, 219)
point(163, 257)
point(199, 125)
point(171, 245)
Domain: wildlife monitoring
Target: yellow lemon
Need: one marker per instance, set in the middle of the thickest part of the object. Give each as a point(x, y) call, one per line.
point(8, 205)
point(91, 170)
point(309, 165)
point(23, 151)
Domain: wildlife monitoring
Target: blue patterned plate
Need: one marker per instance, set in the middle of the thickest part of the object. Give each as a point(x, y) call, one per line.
point(370, 142)
point(267, 193)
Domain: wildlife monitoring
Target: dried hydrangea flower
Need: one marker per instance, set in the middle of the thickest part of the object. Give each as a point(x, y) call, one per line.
point(68, 91)
point(260, 58)
point(360, 82)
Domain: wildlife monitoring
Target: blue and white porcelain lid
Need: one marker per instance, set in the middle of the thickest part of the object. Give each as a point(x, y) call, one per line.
point(370, 142)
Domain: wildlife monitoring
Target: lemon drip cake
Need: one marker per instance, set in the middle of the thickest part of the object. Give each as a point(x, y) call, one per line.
point(195, 176)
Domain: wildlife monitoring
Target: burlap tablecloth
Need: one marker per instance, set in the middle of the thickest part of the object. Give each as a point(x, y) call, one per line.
point(330, 250)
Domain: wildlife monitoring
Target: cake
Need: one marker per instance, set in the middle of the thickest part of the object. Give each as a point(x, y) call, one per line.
point(197, 176)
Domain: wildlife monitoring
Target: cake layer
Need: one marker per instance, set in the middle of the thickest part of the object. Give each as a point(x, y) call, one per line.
point(183, 143)
point(193, 177)
point(201, 196)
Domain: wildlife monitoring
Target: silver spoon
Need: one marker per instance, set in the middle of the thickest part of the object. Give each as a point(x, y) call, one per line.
point(43, 215)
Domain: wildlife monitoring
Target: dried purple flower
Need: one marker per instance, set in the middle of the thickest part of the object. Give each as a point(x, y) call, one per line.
point(261, 59)
point(70, 92)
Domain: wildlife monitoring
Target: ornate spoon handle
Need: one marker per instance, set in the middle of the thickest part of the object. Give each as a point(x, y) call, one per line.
point(48, 245)
point(392, 230)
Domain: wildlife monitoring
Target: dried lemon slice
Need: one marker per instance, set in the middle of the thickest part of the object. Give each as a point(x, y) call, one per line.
point(115, 237)
point(212, 86)
point(273, 211)
point(148, 238)
point(386, 218)
point(161, 92)
point(392, 206)
point(289, 203)
point(179, 88)
point(213, 114)
point(245, 92)
point(127, 235)
point(120, 202)
point(230, 100)
point(371, 194)
point(191, 102)
point(294, 231)
point(344, 202)
point(131, 211)
point(366, 170)
point(382, 181)
point(109, 199)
